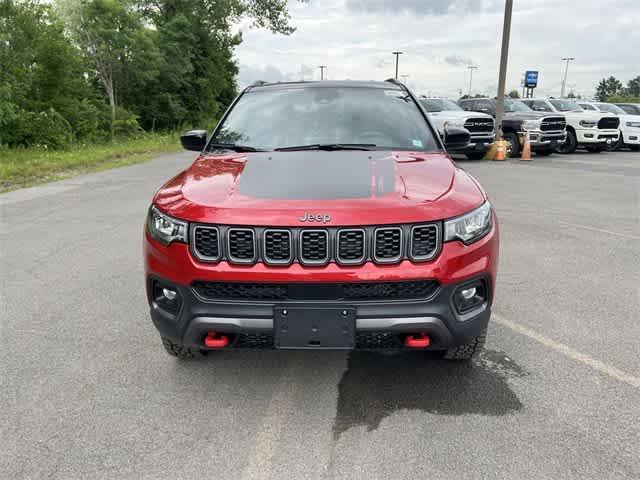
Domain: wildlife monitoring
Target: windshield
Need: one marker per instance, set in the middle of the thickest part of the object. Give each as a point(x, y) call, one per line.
point(610, 108)
point(438, 104)
point(566, 105)
point(515, 106)
point(272, 118)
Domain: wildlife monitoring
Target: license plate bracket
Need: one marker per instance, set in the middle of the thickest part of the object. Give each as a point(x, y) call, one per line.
point(316, 328)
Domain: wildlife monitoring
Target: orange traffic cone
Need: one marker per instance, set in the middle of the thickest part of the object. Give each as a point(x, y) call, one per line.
point(501, 150)
point(526, 148)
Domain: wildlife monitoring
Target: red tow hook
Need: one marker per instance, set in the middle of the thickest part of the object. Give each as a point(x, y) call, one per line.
point(215, 340)
point(419, 340)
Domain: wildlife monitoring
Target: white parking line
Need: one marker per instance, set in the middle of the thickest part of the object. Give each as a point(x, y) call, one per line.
point(569, 352)
point(601, 230)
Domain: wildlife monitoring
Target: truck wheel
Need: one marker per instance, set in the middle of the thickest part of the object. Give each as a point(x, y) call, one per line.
point(475, 155)
point(180, 351)
point(468, 350)
point(512, 138)
point(545, 152)
point(634, 148)
point(614, 147)
point(570, 145)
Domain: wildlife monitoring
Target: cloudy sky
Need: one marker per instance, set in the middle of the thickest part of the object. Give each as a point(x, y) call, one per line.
point(355, 38)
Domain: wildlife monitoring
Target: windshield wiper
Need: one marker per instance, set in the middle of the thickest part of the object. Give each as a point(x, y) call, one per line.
point(232, 146)
point(329, 146)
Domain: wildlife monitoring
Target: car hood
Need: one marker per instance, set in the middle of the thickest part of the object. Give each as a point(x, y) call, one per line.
point(529, 115)
point(351, 187)
point(458, 114)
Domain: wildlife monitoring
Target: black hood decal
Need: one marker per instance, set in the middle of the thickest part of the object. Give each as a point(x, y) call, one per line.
point(317, 175)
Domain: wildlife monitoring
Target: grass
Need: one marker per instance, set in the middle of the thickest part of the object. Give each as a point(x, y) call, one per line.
point(25, 167)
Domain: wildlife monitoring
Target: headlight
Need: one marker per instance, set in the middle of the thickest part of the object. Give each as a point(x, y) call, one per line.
point(588, 123)
point(531, 124)
point(633, 124)
point(164, 228)
point(469, 227)
point(453, 123)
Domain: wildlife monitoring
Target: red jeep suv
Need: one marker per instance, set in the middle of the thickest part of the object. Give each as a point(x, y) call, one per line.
point(322, 215)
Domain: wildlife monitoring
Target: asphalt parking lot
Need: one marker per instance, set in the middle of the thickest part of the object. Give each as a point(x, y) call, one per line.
point(88, 392)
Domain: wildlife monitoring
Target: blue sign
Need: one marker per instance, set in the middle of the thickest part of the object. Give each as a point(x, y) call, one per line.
point(531, 79)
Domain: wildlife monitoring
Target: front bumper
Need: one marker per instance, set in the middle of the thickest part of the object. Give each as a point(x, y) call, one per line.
point(631, 136)
point(540, 140)
point(478, 143)
point(596, 136)
point(380, 322)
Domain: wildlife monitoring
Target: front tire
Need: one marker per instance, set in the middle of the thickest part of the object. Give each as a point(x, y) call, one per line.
point(512, 138)
point(570, 145)
point(180, 351)
point(595, 149)
point(634, 148)
point(467, 351)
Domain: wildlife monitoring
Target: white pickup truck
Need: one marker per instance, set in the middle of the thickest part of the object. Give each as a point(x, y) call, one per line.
point(592, 130)
point(444, 112)
point(629, 124)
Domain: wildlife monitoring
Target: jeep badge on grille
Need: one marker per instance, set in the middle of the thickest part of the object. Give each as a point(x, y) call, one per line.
point(317, 217)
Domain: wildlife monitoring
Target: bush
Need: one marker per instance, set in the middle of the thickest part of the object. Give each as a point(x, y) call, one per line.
point(48, 129)
point(126, 125)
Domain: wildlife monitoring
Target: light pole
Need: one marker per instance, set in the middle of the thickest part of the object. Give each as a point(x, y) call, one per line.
point(566, 69)
point(397, 54)
point(504, 55)
point(322, 68)
point(471, 69)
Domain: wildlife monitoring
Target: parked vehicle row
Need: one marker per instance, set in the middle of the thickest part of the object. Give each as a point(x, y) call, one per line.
point(552, 124)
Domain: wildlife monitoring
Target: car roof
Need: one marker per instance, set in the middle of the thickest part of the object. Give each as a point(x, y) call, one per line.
point(388, 85)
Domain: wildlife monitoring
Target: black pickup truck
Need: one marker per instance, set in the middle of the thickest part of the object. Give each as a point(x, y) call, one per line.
point(545, 131)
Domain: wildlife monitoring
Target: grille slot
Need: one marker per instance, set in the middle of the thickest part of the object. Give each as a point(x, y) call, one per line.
point(552, 123)
point(241, 245)
point(377, 340)
point(475, 125)
point(609, 122)
point(273, 292)
point(351, 246)
point(424, 242)
point(387, 246)
point(278, 247)
point(206, 243)
point(314, 247)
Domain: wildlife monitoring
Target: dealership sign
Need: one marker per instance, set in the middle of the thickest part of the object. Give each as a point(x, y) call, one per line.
point(531, 78)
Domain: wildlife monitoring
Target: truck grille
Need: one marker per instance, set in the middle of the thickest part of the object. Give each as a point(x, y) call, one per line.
point(477, 125)
point(609, 123)
point(553, 123)
point(315, 246)
point(276, 292)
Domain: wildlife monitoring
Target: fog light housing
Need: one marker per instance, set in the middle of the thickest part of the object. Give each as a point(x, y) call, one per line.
point(470, 296)
point(166, 297)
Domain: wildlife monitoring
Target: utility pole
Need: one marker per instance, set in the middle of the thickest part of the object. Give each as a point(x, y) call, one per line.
point(322, 68)
point(566, 69)
point(397, 54)
point(471, 69)
point(504, 55)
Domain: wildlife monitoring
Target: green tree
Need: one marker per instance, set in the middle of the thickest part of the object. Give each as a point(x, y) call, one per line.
point(608, 87)
point(514, 94)
point(633, 87)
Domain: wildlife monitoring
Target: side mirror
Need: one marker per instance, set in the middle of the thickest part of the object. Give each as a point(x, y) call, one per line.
point(456, 138)
point(194, 140)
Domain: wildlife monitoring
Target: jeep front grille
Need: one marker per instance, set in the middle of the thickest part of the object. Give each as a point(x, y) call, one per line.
point(316, 246)
point(609, 123)
point(478, 125)
point(351, 292)
point(549, 124)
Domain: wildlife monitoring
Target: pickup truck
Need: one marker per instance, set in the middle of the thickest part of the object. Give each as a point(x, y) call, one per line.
point(546, 131)
point(446, 113)
point(594, 131)
point(629, 124)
